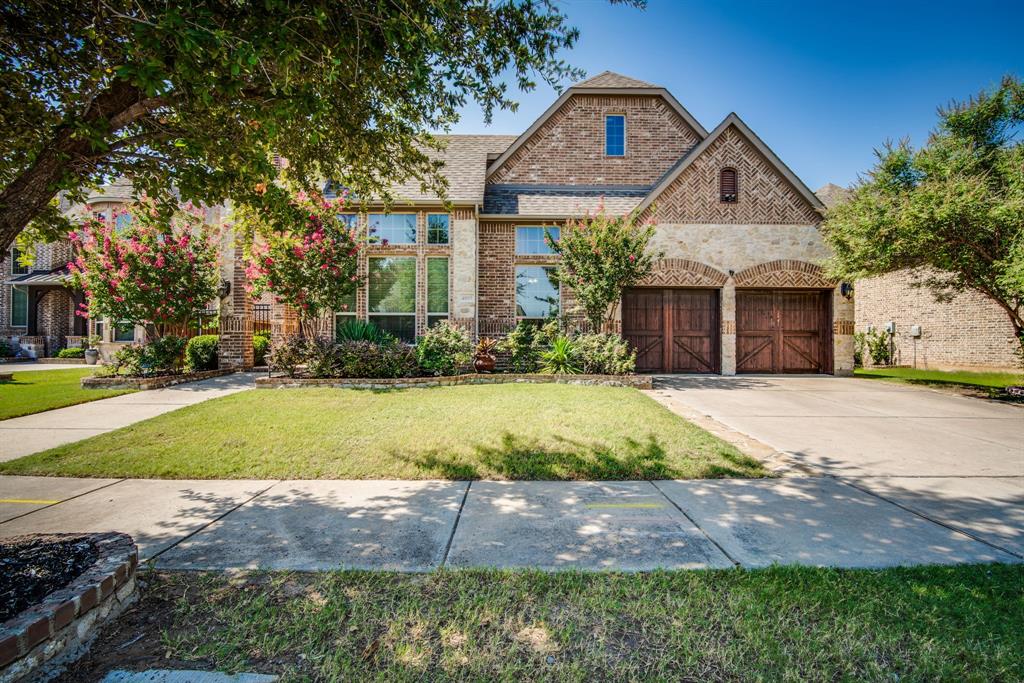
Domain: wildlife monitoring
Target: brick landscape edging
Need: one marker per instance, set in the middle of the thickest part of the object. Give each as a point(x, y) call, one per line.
point(62, 361)
point(635, 381)
point(143, 383)
point(38, 643)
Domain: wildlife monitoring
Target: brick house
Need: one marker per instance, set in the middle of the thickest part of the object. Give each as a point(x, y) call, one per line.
point(968, 331)
point(739, 288)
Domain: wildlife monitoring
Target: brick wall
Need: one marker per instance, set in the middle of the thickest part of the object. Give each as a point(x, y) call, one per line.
point(569, 148)
point(968, 332)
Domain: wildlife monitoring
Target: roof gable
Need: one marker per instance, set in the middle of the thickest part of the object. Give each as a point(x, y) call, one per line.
point(770, 192)
point(606, 83)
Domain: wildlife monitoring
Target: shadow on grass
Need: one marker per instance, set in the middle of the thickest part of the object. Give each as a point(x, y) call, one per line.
point(519, 458)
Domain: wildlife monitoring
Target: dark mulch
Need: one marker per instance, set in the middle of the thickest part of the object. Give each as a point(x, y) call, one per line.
point(32, 568)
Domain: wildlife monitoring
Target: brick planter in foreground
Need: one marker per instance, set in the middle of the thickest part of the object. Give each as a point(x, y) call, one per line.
point(143, 383)
point(37, 644)
point(636, 381)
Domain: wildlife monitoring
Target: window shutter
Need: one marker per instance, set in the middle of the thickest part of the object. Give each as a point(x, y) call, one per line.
point(728, 185)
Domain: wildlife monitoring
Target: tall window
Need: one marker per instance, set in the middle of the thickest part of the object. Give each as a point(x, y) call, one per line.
point(349, 220)
point(536, 292)
point(16, 267)
point(392, 295)
point(530, 240)
point(393, 228)
point(346, 312)
point(728, 185)
point(615, 135)
point(437, 228)
point(437, 290)
point(19, 307)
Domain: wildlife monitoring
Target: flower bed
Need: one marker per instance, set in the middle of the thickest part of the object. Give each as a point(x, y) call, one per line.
point(636, 381)
point(150, 382)
point(80, 597)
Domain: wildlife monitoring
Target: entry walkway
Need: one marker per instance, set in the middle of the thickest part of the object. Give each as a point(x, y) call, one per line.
point(423, 525)
point(33, 433)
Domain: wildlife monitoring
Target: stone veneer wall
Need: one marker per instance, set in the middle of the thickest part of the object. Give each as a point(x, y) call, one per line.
point(568, 149)
point(970, 331)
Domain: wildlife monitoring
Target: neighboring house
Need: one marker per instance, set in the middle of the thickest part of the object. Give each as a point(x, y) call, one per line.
point(739, 288)
point(969, 331)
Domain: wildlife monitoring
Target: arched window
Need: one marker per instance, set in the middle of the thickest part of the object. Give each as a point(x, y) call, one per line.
point(728, 185)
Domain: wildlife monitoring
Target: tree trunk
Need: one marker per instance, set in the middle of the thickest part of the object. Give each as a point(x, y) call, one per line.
point(65, 156)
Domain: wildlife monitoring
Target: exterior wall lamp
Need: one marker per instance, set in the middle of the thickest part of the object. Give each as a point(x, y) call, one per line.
point(846, 289)
point(224, 289)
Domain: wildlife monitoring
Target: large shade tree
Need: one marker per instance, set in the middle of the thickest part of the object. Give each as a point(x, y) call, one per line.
point(953, 210)
point(199, 95)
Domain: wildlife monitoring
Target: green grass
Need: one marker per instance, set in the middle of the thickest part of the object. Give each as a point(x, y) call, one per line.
point(982, 380)
point(961, 623)
point(511, 431)
point(35, 391)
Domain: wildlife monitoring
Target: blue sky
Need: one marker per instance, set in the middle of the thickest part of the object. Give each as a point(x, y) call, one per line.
point(823, 84)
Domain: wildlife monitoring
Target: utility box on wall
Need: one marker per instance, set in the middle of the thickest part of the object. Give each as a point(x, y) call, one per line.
point(915, 331)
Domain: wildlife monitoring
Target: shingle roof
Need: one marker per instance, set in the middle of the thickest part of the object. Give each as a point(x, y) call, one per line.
point(561, 200)
point(120, 189)
point(465, 159)
point(57, 276)
point(610, 79)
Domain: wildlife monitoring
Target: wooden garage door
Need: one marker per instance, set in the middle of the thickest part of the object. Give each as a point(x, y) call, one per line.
point(783, 331)
point(672, 330)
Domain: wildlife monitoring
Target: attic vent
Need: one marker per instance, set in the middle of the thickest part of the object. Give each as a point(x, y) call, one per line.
point(728, 185)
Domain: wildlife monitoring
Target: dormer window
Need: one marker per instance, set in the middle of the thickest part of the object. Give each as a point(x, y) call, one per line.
point(615, 135)
point(728, 185)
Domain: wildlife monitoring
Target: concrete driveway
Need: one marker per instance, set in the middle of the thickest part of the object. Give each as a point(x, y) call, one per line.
point(956, 460)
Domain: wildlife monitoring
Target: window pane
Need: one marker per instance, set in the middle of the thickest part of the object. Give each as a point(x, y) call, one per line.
point(437, 285)
point(124, 332)
point(393, 228)
point(530, 240)
point(17, 268)
point(536, 292)
point(393, 285)
point(615, 136)
point(349, 220)
point(340, 319)
point(403, 327)
point(122, 221)
point(19, 307)
point(437, 228)
point(435, 319)
point(349, 304)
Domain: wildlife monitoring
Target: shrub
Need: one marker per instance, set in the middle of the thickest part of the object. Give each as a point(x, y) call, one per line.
point(71, 353)
point(201, 353)
point(322, 359)
point(361, 330)
point(287, 356)
point(526, 343)
point(878, 347)
point(260, 346)
point(560, 358)
point(6, 350)
point(604, 354)
point(366, 359)
point(444, 349)
point(859, 344)
point(160, 356)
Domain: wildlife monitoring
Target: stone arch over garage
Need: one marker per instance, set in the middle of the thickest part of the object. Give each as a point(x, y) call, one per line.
point(783, 273)
point(678, 272)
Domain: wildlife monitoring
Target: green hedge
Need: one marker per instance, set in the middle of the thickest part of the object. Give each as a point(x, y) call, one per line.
point(71, 353)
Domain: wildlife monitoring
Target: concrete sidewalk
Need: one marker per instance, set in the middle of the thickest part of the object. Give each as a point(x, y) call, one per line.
point(422, 525)
point(21, 436)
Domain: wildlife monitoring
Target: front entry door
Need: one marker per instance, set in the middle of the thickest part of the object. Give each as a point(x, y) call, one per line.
point(782, 331)
point(672, 330)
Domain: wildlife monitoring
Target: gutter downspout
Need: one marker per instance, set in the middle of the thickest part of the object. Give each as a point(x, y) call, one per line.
point(476, 273)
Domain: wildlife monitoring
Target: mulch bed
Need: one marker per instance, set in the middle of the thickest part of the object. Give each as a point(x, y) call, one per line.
point(31, 570)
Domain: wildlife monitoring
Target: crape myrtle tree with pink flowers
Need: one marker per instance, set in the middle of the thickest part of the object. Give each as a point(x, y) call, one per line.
point(146, 267)
point(602, 255)
point(303, 253)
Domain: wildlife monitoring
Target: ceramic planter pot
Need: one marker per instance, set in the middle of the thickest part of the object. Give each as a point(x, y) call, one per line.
point(91, 356)
point(484, 363)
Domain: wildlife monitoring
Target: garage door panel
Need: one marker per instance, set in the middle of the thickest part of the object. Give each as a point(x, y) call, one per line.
point(672, 330)
point(782, 331)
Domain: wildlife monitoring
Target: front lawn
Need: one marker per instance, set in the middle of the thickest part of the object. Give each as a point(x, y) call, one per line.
point(780, 624)
point(980, 380)
point(38, 390)
point(510, 431)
